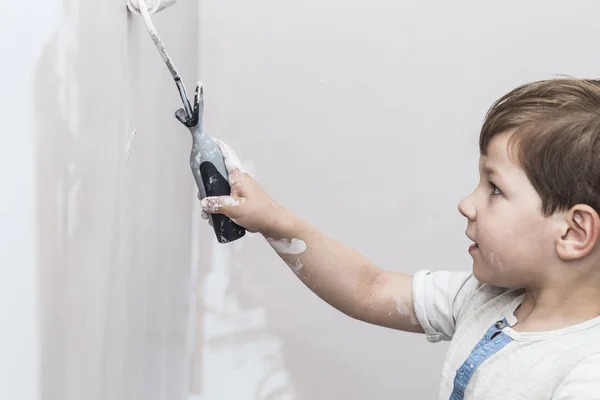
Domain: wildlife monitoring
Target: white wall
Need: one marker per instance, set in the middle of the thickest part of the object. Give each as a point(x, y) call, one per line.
point(19, 363)
point(363, 117)
point(95, 282)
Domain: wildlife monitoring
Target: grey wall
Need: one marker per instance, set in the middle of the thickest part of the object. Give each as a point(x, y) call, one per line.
point(97, 273)
point(361, 116)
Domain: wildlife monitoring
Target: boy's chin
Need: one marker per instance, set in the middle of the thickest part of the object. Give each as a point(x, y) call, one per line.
point(488, 276)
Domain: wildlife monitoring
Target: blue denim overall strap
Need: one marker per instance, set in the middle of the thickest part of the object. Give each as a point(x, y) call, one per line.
point(493, 340)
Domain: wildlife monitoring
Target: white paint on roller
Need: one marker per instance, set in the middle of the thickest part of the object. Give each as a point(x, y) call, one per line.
point(142, 6)
point(153, 6)
point(288, 246)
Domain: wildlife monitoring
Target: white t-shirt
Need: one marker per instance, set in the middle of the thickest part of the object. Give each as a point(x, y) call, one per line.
point(487, 359)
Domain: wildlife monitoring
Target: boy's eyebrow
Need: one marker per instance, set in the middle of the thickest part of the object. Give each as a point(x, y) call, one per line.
point(489, 170)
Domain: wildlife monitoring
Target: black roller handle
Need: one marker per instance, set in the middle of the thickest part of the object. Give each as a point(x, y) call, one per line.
point(216, 184)
point(207, 164)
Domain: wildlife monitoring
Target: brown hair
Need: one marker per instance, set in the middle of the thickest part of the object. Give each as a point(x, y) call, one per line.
point(555, 137)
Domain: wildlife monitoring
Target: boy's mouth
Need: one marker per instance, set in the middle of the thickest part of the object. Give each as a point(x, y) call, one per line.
point(474, 246)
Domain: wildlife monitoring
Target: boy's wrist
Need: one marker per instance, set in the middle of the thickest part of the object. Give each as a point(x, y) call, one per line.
point(282, 222)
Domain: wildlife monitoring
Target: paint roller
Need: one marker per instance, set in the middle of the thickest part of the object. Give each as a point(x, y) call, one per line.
point(206, 160)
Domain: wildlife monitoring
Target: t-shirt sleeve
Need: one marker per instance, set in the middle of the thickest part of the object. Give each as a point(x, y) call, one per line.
point(582, 383)
point(438, 298)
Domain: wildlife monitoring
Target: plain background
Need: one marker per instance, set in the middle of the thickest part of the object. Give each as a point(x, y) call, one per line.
point(362, 117)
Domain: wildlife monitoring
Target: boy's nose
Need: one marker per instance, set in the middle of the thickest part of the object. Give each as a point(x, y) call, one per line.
point(467, 208)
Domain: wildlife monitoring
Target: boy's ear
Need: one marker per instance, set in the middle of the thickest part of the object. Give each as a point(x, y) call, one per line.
point(581, 233)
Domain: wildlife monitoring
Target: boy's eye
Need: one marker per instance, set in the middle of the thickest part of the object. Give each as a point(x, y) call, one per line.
point(494, 189)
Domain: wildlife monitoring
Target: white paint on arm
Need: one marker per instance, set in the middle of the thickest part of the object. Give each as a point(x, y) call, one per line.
point(405, 311)
point(288, 247)
point(297, 266)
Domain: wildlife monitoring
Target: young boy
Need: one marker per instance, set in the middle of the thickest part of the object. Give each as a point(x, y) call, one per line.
point(525, 323)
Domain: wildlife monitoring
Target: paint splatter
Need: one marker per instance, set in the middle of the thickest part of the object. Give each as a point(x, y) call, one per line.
point(287, 246)
point(231, 159)
point(495, 261)
point(214, 204)
point(405, 312)
point(129, 146)
point(297, 266)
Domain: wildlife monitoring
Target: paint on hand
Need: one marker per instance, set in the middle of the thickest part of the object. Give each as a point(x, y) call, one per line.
point(230, 158)
point(288, 246)
point(405, 312)
point(233, 165)
point(214, 204)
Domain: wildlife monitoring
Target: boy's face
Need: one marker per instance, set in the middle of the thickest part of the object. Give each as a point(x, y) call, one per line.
point(514, 241)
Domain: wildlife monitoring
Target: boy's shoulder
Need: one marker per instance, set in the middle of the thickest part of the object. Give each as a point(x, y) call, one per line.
point(463, 291)
point(445, 299)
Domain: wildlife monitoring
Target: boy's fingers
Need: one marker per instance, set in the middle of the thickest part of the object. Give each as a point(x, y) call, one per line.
point(235, 177)
point(226, 205)
point(232, 161)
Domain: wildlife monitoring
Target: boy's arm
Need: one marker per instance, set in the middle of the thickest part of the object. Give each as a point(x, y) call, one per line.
point(341, 276)
point(337, 274)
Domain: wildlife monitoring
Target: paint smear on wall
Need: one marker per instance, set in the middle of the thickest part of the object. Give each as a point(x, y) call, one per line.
point(237, 344)
point(129, 145)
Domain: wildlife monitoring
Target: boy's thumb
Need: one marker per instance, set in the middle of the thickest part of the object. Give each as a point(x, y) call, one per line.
point(227, 205)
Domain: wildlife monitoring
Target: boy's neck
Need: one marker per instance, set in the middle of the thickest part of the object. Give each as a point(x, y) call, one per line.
point(558, 307)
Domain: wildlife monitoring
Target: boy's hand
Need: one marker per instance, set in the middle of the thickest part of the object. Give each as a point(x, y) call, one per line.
point(248, 205)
